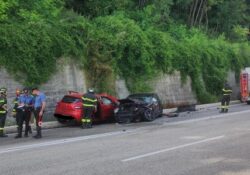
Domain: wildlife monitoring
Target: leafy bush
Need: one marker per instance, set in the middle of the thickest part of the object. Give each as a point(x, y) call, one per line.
point(136, 46)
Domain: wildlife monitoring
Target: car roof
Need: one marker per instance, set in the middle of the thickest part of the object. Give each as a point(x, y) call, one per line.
point(79, 95)
point(74, 95)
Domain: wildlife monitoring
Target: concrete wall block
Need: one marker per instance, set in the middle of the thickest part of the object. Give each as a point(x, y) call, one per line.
point(172, 91)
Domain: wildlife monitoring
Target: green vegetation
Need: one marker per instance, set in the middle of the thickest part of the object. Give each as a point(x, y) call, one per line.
point(133, 39)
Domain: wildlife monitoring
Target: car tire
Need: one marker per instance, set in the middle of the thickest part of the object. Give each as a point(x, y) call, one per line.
point(248, 102)
point(148, 115)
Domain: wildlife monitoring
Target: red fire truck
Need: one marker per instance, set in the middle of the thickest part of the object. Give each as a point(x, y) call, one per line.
point(245, 85)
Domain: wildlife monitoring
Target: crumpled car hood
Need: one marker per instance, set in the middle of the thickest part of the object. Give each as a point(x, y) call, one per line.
point(131, 101)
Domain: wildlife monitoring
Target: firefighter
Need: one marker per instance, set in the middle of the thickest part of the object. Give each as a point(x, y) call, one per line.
point(227, 90)
point(3, 111)
point(39, 107)
point(16, 102)
point(24, 112)
point(89, 107)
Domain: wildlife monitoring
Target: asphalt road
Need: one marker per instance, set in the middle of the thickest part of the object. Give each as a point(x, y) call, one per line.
point(196, 143)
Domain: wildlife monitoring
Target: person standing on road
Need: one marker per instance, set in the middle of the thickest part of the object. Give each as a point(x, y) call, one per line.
point(16, 102)
point(24, 113)
point(227, 91)
point(3, 110)
point(89, 107)
point(39, 107)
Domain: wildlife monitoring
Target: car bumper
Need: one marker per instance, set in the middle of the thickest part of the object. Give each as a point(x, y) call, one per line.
point(76, 115)
point(124, 117)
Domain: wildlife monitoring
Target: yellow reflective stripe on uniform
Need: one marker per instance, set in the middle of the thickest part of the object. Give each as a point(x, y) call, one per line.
point(90, 100)
point(2, 101)
point(88, 105)
point(3, 112)
point(224, 90)
point(1, 129)
point(86, 120)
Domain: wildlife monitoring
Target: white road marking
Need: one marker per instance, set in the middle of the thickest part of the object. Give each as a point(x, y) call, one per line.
point(208, 118)
point(75, 139)
point(173, 148)
point(62, 141)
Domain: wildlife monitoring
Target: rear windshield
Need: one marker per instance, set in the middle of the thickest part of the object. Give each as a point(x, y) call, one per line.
point(146, 99)
point(69, 99)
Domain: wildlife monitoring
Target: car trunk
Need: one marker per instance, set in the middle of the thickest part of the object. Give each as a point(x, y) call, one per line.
point(69, 104)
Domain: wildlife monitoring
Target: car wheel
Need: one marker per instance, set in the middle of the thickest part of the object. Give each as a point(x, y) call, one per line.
point(149, 115)
point(248, 102)
point(62, 121)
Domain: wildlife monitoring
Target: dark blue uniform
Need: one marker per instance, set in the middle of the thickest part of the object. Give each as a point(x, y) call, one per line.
point(38, 102)
point(23, 114)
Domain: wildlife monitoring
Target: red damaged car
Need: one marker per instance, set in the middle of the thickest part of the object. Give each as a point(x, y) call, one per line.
point(71, 108)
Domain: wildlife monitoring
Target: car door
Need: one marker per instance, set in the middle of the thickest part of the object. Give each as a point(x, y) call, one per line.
point(106, 108)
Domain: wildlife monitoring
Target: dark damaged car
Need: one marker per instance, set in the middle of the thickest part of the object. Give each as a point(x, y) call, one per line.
point(139, 107)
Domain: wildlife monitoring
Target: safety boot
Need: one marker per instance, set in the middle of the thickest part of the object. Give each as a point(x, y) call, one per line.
point(26, 135)
point(84, 125)
point(39, 134)
point(19, 133)
point(30, 129)
point(2, 134)
point(89, 125)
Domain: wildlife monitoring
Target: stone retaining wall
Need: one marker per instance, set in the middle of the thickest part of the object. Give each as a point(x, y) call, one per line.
point(69, 77)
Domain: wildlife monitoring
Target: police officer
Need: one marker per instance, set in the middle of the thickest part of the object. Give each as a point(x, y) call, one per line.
point(39, 107)
point(24, 112)
point(226, 91)
point(3, 110)
point(89, 107)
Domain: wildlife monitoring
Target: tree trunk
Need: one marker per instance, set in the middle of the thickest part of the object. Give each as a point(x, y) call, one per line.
point(201, 6)
point(203, 12)
point(193, 13)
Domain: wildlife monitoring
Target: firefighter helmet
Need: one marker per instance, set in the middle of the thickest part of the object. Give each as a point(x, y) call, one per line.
point(91, 90)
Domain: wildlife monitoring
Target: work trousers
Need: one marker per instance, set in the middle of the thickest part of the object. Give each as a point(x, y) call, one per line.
point(2, 123)
point(22, 116)
point(38, 121)
point(225, 101)
point(87, 116)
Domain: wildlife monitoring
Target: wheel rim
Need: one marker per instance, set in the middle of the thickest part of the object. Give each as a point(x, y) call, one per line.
point(148, 115)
